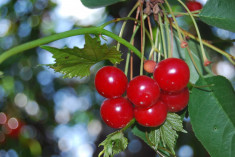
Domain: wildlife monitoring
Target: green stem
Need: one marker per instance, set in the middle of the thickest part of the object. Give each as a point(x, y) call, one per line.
point(176, 23)
point(128, 55)
point(92, 30)
point(162, 36)
point(197, 30)
point(155, 46)
point(167, 35)
point(227, 55)
point(193, 61)
point(124, 23)
point(101, 153)
point(117, 20)
point(128, 125)
point(159, 48)
point(181, 13)
point(142, 40)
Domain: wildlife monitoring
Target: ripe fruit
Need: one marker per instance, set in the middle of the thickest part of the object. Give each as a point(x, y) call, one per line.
point(193, 6)
point(153, 116)
point(116, 112)
point(143, 91)
point(110, 82)
point(172, 74)
point(149, 66)
point(175, 101)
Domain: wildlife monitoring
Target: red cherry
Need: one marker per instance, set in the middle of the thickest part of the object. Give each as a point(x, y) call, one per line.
point(149, 66)
point(153, 116)
point(117, 112)
point(175, 101)
point(110, 82)
point(143, 91)
point(194, 6)
point(172, 74)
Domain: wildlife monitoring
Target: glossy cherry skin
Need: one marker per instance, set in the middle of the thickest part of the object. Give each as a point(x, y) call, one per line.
point(143, 91)
point(172, 74)
point(193, 5)
point(175, 101)
point(110, 82)
point(117, 112)
point(153, 116)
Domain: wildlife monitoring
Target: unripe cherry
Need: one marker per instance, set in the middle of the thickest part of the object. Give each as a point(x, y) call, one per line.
point(149, 66)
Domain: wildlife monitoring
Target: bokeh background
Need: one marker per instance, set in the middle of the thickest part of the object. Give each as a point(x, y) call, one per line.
point(44, 115)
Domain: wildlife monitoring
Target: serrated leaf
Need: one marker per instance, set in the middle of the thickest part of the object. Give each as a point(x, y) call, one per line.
point(99, 3)
point(154, 137)
point(77, 62)
point(165, 135)
point(114, 144)
point(212, 115)
point(176, 122)
point(219, 13)
point(169, 136)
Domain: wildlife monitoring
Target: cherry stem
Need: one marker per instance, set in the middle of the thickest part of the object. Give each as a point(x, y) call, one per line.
point(194, 63)
point(172, 40)
point(117, 20)
point(142, 39)
point(197, 30)
point(167, 32)
point(151, 32)
point(154, 48)
point(162, 36)
point(177, 14)
point(159, 47)
point(176, 23)
point(135, 29)
point(151, 42)
point(124, 23)
point(128, 125)
point(206, 43)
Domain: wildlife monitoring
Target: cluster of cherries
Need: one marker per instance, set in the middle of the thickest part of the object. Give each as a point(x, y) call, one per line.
point(148, 100)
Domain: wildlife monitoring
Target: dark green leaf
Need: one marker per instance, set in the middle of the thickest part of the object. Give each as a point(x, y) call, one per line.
point(114, 144)
point(212, 114)
point(99, 3)
point(219, 13)
point(77, 62)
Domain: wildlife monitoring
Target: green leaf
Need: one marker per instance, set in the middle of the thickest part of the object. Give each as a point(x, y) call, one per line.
point(99, 3)
point(219, 13)
point(195, 49)
point(196, 55)
point(166, 134)
point(212, 114)
point(114, 144)
point(77, 62)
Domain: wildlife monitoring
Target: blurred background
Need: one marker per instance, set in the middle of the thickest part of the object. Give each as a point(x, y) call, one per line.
point(44, 115)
